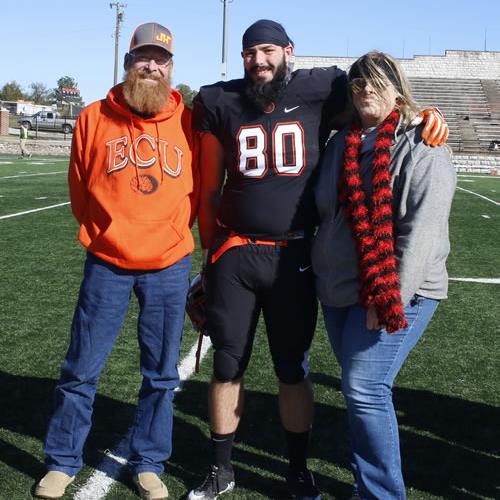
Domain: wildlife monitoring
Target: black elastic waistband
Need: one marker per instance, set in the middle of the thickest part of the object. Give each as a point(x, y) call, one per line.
point(290, 236)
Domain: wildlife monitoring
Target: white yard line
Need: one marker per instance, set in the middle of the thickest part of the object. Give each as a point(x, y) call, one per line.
point(9, 216)
point(479, 176)
point(494, 281)
point(34, 175)
point(186, 368)
point(102, 480)
point(480, 195)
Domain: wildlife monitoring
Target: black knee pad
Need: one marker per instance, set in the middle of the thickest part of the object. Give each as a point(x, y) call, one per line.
point(227, 367)
point(290, 372)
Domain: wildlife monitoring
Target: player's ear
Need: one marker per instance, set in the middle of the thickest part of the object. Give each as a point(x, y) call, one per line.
point(127, 61)
point(288, 52)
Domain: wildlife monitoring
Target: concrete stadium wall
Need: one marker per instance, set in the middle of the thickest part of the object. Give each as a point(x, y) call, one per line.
point(453, 64)
point(478, 164)
point(42, 148)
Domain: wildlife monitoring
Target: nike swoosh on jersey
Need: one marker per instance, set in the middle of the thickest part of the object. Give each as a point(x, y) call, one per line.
point(302, 269)
point(287, 110)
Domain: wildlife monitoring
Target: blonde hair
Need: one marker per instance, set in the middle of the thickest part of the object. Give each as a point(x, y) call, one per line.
point(378, 69)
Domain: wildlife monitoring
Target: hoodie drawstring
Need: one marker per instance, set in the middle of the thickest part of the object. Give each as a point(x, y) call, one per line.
point(131, 130)
point(159, 152)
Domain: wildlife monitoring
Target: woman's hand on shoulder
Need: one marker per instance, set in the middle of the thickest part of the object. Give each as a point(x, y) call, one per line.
point(372, 322)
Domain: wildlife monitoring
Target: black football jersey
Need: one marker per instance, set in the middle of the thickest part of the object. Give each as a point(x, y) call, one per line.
point(270, 158)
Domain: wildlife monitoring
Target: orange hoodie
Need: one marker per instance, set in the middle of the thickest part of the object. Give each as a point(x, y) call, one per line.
point(131, 180)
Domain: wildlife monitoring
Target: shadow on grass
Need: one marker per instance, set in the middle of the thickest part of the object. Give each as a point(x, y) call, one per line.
point(258, 455)
point(26, 406)
point(449, 446)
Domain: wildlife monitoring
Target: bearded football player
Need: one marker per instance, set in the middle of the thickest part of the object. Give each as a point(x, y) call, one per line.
point(261, 138)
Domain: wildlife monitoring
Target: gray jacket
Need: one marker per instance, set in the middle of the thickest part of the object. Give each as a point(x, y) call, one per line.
point(423, 183)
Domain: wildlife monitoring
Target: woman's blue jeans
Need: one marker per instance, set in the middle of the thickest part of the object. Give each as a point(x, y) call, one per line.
point(370, 361)
point(102, 304)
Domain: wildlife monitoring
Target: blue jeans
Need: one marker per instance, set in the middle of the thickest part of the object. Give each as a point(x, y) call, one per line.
point(102, 304)
point(370, 361)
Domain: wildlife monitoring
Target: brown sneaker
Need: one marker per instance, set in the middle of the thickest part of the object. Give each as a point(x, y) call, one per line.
point(150, 486)
point(53, 484)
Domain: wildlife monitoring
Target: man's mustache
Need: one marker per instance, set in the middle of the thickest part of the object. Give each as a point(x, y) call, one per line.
point(259, 68)
point(148, 74)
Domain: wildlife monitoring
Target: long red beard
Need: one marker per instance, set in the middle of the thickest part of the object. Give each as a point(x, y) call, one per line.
point(143, 97)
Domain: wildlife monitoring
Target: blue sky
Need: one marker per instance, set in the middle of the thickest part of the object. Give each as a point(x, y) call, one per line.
point(44, 40)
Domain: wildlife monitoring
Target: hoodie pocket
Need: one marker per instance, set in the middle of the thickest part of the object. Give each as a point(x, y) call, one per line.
point(137, 240)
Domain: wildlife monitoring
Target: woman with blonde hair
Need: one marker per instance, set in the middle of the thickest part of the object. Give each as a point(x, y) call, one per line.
point(379, 256)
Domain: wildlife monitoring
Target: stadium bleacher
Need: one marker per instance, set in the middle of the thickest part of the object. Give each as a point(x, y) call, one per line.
point(469, 106)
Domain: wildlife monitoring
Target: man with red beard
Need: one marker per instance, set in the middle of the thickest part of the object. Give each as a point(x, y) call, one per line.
point(131, 188)
point(260, 142)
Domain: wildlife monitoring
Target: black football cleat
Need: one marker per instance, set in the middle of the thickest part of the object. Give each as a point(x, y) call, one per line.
point(217, 482)
point(301, 485)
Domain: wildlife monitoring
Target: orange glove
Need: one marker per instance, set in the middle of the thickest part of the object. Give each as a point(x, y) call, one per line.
point(435, 131)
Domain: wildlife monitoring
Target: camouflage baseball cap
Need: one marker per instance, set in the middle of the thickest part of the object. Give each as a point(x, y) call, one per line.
point(152, 34)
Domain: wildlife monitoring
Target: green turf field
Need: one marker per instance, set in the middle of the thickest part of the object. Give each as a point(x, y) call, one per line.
point(447, 395)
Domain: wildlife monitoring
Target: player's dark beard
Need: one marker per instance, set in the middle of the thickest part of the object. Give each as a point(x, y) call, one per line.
point(142, 97)
point(264, 94)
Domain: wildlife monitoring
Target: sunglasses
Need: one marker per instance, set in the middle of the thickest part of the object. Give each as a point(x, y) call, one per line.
point(357, 85)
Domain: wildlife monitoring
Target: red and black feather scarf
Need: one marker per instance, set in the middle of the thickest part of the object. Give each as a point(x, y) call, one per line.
point(372, 226)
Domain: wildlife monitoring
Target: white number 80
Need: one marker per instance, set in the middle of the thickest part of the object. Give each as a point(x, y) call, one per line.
point(252, 150)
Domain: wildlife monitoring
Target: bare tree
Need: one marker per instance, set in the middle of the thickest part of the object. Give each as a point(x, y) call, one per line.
point(40, 94)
